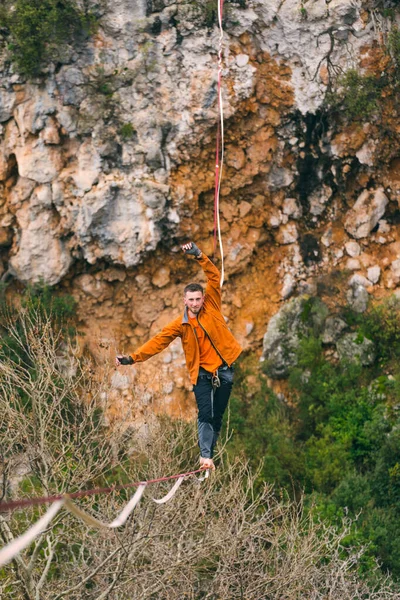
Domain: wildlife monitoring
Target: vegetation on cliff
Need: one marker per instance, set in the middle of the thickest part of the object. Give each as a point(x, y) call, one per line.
point(38, 30)
point(338, 436)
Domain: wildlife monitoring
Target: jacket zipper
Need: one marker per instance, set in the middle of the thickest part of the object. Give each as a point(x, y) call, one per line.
point(212, 343)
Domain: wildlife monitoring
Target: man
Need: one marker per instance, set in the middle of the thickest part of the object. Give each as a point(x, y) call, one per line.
point(210, 351)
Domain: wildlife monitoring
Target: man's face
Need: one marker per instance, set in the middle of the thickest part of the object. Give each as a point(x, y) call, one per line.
point(194, 301)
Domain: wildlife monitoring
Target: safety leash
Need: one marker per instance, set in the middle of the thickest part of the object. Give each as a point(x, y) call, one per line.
point(219, 155)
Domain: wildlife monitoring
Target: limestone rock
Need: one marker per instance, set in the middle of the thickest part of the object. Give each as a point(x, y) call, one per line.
point(284, 332)
point(7, 103)
point(333, 328)
point(357, 279)
point(293, 37)
point(38, 161)
point(235, 157)
point(358, 297)
point(366, 154)
point(32, 114)
point(395, 271)
point(94, 287)
point(374, 273)
point(88, 169)
point(288, 286)
point(383, 227)
point(319, 199)
point(292, 208)
point(353, 248)
point(327, 238)
point(352, 348)
point(40, 255)
point(120, 221)
point(353, 264)
point(366, 212)
point(145, 312)
point(50, 134)
point(280, 178)
point(287, 234)
point(242, 60)
point(161, 277)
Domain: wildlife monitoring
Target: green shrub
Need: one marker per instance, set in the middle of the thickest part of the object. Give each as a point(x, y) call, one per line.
point(394, 48)
point(41, 298)
point(37, 300)
point(263, 428)
point(127, 131)
point(361, 94)
point(357, 94)
point(206, 11)
point(37, 30)
point(381, 324)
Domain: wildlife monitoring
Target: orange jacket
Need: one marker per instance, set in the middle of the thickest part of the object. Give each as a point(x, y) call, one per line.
point(209, 317)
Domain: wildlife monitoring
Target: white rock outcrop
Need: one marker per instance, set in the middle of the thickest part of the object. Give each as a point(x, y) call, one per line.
point(369, 208)
point(91, 153)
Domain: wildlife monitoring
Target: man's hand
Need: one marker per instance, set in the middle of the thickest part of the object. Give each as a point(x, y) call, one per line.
point(192, 249)
point(123, 360)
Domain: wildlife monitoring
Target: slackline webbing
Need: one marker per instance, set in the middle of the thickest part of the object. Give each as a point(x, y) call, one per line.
point(7, 553)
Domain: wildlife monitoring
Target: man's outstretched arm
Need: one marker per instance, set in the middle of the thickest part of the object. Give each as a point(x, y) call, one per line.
point(155, 345)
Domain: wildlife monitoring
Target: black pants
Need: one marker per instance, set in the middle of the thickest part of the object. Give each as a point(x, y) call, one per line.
point(211, 404)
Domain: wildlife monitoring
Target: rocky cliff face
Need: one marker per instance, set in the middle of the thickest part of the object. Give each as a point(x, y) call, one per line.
point(107, 165)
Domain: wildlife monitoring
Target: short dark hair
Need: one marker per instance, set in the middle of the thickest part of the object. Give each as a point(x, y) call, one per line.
point(193, 287)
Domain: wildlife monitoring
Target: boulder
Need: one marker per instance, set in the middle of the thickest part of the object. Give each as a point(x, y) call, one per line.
point(333, 328)
point(7, 103)
point(38, 161)
point(41, 256)
point(355, 348)
point(292, 208)
point(353, 249)
point(357, 297)
point(297, 318)
point(366, 213)
point(374, 274)
point(161, 277)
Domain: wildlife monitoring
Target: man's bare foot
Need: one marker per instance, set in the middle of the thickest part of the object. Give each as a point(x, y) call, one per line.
point(208, 463)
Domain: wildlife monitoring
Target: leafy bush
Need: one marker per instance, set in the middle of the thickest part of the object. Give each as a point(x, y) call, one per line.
point(394, 48)
point(360, 94)
point(206, 10)
point(41, 298)
point(263, 428)
point(38, 300)
point(381, 324)
point(127, 131)
point(38, 29)
point(338, 436)
point(348, 433)
point(357, 94)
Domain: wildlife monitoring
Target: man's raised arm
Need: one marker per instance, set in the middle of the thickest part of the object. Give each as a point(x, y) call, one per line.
point(213, 288)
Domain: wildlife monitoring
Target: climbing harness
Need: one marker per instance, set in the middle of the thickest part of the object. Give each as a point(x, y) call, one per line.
point(215, 384)
point(215, 380)
point(219, 155)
